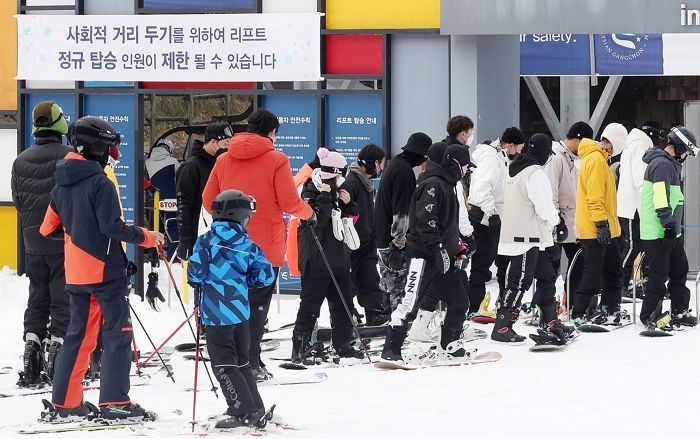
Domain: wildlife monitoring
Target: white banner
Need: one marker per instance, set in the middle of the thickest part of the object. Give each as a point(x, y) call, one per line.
point(202, 47)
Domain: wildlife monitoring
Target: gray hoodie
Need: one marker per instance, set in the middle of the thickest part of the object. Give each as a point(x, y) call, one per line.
point(562, 172)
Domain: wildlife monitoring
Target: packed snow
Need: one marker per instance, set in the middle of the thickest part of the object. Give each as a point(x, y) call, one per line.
point(602, 385)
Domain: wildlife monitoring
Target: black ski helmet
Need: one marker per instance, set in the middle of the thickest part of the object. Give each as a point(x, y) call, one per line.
point(233, 205)
point(683, 140)
point(92, 137)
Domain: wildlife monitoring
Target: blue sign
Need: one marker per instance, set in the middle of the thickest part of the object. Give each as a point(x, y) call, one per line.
point(120, 111)
point(200, 4)
point(629, 54)
point(353, 121)
point(298, 133)
point(66, 102)
point(554, 54)
point(298, 138)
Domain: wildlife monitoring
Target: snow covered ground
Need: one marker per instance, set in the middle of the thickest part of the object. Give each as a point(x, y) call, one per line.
point(615, 385)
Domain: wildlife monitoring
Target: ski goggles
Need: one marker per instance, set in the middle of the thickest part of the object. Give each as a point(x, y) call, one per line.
point(693, 149)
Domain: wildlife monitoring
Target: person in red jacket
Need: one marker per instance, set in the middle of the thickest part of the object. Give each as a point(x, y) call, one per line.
point(252, 165)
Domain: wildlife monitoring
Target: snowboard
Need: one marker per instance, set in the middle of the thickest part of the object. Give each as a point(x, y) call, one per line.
point(75, 426)
point(593, 328)
point(656, 333)
point(542, 345)
point(485, 357)
point(265, 346)
point(324, 334)
point(5, 369)
point(484, 320)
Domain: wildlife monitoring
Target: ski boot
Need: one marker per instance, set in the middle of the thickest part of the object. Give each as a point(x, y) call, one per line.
point(452, 345)
point(129, 411)
point(261, 373)
point(256, 420)
point(346, 355)
point(684, 318)
point(59, 415)
point(420, 328)
point(503, 329)
point(393, 343)
point(33, 375)
point(52, 350)
point(305, 352)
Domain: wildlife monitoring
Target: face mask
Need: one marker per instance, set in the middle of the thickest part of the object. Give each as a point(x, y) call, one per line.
point(220, 151)
point(680, 159)
point(470, 139)
point(339, 181)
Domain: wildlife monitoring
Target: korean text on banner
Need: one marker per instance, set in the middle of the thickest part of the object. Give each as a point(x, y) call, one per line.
point(218, 47)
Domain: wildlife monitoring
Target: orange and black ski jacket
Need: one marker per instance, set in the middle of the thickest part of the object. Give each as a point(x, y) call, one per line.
point(85, 208)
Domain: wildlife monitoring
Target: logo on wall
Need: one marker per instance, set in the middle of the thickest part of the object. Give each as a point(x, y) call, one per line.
point(624, 47)
point(629, 54)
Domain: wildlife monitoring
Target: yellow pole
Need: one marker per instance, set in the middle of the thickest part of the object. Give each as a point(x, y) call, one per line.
point(156, 211)
point(185, 285)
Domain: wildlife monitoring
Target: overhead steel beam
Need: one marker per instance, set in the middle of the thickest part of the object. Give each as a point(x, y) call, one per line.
point(601, 109)
point(542, 101)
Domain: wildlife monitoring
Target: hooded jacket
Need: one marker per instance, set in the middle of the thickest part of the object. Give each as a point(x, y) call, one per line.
point(596, 197)
point(361, 191)
point(225, 262)
point(85, 208)
point(191, 178)
point(433, 214)
point(632, 170)
point(562, 172)
point(252, 165)
point(161, 168)
point(662, 198)
point(393, 201)
point(31, 183)
point(486, 188)
point(311, 262)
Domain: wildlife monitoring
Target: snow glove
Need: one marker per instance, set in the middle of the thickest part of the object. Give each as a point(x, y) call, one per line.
point(350, 234)
point(442, 259)
point(561, 232)
point(152, 291)
point(603, 231)
point(670, 234)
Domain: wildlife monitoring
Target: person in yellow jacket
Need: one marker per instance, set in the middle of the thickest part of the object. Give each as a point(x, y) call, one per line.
point(597, 228)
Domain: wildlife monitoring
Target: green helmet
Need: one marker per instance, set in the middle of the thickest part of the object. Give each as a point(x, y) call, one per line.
point(48, 116)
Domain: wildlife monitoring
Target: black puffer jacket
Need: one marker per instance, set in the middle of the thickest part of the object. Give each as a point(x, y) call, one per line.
point(393, 200)
point(433, 215)
point(191, 178)
point(311, 262)
point(32, 181)
point(364, 199)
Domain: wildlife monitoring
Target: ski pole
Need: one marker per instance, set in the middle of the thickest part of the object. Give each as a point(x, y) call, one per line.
point(568, 283)
point(156, 351)
point(340, 293)
point(182, 304)
point(196, 357)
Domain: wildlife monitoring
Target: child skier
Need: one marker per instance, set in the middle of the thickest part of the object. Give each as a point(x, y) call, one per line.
point(85, 208)
point(330, 204)
point(223, 265)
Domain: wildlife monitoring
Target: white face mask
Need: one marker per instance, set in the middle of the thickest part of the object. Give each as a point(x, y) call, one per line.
point(340, 180)
point(470, 139)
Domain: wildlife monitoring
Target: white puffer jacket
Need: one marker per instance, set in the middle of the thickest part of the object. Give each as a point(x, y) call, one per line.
point(486, 186)
point(632, 168)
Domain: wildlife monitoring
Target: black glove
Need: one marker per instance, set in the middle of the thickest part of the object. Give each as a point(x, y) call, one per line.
point(470, 242)
point(603, 231)
point(396, 258)
point(670, 234)
point(152, 291)
point(154, 257)
point(442, 259)
point(495, 221)
point(313, 221)
point(184, 250)
point(561, 232)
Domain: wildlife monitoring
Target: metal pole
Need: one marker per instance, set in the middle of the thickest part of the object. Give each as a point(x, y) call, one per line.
point(697, 296)
point(568, 284)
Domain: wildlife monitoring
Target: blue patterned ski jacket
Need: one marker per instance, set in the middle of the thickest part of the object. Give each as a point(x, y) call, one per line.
point(225, 263)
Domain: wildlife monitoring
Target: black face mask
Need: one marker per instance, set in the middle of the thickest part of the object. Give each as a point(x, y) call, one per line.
point(220, 151)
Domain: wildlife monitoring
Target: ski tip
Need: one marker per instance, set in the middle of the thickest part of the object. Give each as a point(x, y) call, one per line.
point(653, 333)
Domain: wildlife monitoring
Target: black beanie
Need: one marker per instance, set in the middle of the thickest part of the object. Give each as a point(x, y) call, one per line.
point(418, 143)
point(539, 147)
point(580, 130)
point(513, 135)
point(436, 151)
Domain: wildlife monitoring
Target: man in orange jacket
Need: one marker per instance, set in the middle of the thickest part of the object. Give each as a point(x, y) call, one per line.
point(252, 165)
